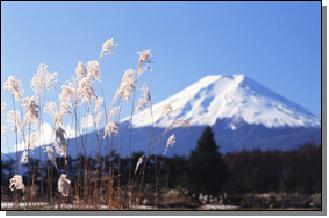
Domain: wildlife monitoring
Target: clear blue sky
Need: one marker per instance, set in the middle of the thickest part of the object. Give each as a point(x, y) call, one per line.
point(276, 43)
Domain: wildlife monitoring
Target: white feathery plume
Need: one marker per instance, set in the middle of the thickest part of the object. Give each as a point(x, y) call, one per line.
point(139, 162)
point(32, 114)
point(93, 71)
point(111, 127)
point(141, 105)
point(145, 100)
point(15, 122)
point(86, 90)
point(170, 142)
point(25, 157)
point(80, 70)
point(64, 185)
point(16, 182)
point(108, 47)
point(127, 85)
point(43, 80)
point(64, 108)
point(144, 59)
point(66, 98)
point(67, 93)
point(14, 87)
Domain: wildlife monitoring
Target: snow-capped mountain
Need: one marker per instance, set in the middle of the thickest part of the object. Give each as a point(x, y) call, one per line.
point(237, 97)
point(243, 114)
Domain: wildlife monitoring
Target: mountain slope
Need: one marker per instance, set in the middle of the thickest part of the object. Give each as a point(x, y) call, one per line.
point(243, 114)
point(236, 97)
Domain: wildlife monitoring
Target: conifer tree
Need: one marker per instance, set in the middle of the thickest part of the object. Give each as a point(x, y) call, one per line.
point(207, 170)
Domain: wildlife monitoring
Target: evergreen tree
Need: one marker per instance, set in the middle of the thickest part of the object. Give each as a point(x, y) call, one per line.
point(207, 170)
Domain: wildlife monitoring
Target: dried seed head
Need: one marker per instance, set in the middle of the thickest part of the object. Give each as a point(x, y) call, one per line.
point(67, 92)
point(16, 183)
point(14, 87)
point(144, 61)
point(145, 100)
point(108, 47)
point(141, 105)
point(43, 80)
point(93, 71)
point(80, 70)
point(111, 127)
point(25, 157)
point(64, 185)
point(32, 114)
point(86, 90)
point(170, 142)
point(139, 162)
point(127, 85)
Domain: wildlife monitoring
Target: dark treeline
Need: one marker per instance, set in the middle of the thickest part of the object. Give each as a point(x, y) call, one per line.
point(275, 171)
point(248, 171)
point(204, 171)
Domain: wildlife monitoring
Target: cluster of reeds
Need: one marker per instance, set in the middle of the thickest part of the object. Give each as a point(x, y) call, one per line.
point(86, 108)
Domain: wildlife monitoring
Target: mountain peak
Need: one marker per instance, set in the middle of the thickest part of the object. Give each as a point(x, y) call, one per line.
point(229, 97)
point(212, 78)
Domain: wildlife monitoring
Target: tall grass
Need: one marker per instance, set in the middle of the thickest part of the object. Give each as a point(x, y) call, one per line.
point(92, 185)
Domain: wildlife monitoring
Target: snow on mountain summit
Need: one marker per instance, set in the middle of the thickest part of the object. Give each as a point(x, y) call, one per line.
point(237, 97)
